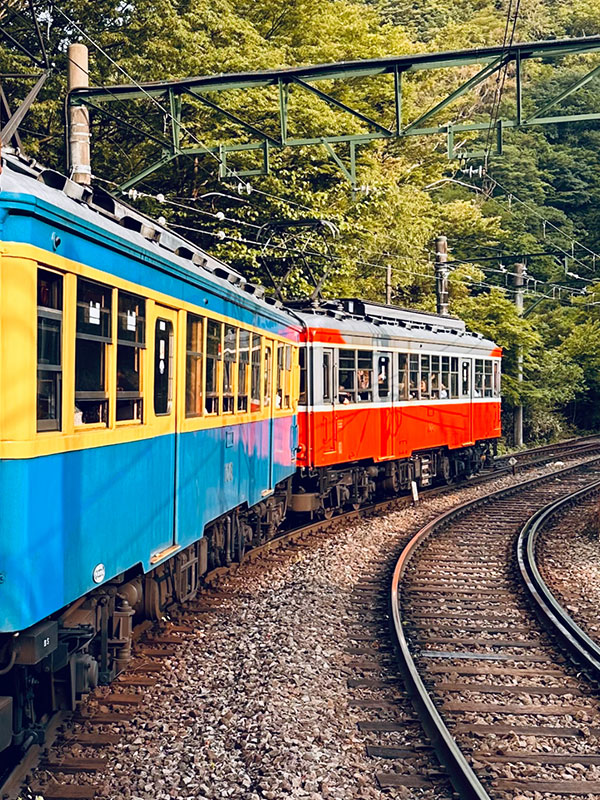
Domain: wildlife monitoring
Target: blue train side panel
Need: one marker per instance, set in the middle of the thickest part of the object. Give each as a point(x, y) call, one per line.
point(62, 515)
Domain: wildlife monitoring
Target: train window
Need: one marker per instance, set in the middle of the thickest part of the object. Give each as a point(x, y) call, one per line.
point(303, 395)
point(488, 389)
point(193, 366)
point(280, 376)
point(435, 377)
point(413, 372)
point(453, 386)
point(131, 334)
point(229, 361)
point(267, 375)
point(445, 378)
point(425, 384)
point(478, 386)
point(497, 379)
point(287, 395)
point(243, 371)
point(364, 375)
point(347, 376)
point(93, 333)
point(163, 366)
point(49, 350)
point(383, 376)
point(213, 356)
point(327, 388)
point(255, 373)
point(402, 376)
point(465, 378)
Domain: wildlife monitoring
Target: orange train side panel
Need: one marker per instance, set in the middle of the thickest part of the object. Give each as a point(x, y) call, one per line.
point(384, 433)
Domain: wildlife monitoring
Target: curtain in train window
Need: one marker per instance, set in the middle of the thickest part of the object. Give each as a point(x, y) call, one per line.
point(93, 334)
point(163, 366)
point(255, 372)
point(213, 356)
point(229, 362)
point(49, 350)
point(243, 370)
point(347, 376)
point(193, 366)
point(131, 339)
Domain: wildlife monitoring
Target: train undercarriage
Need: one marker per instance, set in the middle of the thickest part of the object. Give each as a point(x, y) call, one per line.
point(53, 664)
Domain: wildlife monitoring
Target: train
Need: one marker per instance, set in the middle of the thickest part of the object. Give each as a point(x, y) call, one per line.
point(160, 416)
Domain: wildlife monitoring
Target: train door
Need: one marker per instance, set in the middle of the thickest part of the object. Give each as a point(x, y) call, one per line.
point(164, 409)
point(465, 393)
point(269, 402)
point(385, 406)
point(327, 414)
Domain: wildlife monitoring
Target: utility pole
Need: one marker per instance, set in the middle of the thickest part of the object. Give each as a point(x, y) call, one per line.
point(441, 275)
point(79, 117)
point(388, 285)
point(518, 416)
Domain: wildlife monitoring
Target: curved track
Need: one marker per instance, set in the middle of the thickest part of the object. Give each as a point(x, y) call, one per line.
point(506, 716)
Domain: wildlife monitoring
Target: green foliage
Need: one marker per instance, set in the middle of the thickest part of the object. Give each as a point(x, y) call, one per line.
point(413, 194)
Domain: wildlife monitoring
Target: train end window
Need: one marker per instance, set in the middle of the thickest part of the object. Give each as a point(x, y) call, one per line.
point(280, 375)
point(93, 334)
point(287, 395)
point(465, 380)
point(267, 375)
point(49, 350)
point(303, 399)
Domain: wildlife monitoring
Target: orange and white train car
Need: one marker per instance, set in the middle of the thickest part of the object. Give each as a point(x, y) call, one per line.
point(390, 397)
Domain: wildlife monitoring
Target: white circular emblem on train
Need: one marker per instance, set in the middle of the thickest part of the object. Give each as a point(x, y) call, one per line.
point(99, 573)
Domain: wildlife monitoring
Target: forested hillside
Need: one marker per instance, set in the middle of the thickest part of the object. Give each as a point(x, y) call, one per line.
point(540, 197)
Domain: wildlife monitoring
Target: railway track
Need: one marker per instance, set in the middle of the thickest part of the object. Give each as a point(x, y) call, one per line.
point(99, 720)
point(506, 711)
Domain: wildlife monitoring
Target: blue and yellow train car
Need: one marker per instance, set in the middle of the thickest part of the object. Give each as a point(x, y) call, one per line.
point(148, 431)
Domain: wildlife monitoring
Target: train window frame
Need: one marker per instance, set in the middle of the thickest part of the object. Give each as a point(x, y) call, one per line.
point(402, 376)
point(346, 375)
point(453, 387)
point(384, 382)
point(194, 367)
point(364, 375)
point(497, 379)
point(478, 377)
point(132, 322)
point(243, 379)
point(267, 372)
point(50, 311)
point(229, 371)
point(287, 394)
point(488, 385)
point(256, 348)
point(435, 380)
point(161, 355)
point(280, 375)
point(213, 349)
point(414, 377)
point(425, 377)
point(303, 388)
point(465, 377)
point(96, 340)
point(327, 375)
point(444, 377)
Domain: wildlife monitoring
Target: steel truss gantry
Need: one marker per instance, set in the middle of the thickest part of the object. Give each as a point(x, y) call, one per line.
point(171, 94)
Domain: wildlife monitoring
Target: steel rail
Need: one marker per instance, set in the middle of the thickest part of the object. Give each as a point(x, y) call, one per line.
point(571, 637)
point(460, 773)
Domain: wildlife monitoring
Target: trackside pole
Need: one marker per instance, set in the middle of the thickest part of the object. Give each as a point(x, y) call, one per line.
point(79, 117)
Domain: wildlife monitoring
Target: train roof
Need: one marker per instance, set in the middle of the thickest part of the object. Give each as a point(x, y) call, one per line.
point(353, 317)
point(95, 205)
